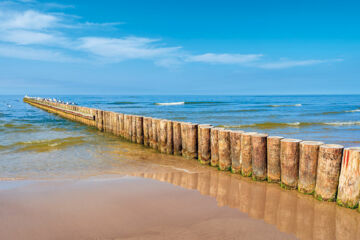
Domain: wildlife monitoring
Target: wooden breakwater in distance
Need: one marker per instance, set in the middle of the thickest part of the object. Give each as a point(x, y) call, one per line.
point(327, 171)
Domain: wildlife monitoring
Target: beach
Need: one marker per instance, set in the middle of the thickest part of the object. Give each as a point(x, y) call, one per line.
point(64, 180)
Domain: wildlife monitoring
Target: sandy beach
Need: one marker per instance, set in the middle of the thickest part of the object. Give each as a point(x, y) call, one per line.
point(120, 208)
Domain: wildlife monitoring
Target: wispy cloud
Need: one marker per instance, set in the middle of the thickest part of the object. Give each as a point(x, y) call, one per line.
point(27, 20)
point(29, 30)
point(125, 48)
point(31, 53)
point(294, 63)
point(224, 58)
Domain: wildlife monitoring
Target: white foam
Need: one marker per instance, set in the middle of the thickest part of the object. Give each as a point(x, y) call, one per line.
point(356, 110)
point(294, 124)
point(170, 103)
point(343, 123)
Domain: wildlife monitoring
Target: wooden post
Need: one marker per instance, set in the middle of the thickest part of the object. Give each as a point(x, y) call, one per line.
point(273, 159)
point(235, 145)
point(349, 182)
point(154, 134)
point(121, 124)
point(328, 171)
point(146, 131)
point(191, 141)
point(309, 152)
point(100, 119)
point(169, 138)
point(133, 128)
point(204, 136)
point(245, 157)
point(163, 136)
point(259, 156)
point(224, 150)
point(214, 141)
point(126, 126)
point(158, 134)
point(184, 127)
point(151, 138)
point(289, 160)
point(177, 138)
point(139, 130)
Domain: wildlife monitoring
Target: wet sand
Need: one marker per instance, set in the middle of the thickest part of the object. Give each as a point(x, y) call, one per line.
point(177, 205)
point(112, 189)
point(125, 208)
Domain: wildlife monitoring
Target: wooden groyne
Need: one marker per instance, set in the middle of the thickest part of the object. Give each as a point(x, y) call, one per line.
point(327, 171)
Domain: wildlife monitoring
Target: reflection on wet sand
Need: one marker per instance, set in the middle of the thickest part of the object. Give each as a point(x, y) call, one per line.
point(289, 211)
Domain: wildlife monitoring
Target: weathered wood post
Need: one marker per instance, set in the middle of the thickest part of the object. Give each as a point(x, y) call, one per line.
point(146, 131)
point(126, 126)
point(163, 136)
point(273, 159)
point(245, 157)
point(158, 134)
point(309, 152)
point(154, 133)
point(204, 151)
point(289, 160)
point(184, 127)
point(349, 182)
point(177, 138)
point(169, 138)
point(100, 119)
point(151, 137)
point(328, 171)
point(130, 132)
point(133, 128)
point(235, 145)
point(224, 150)
point(139, 129)
point(259, 156)
point(121, 124)
point(214, 141)
point(191, 139)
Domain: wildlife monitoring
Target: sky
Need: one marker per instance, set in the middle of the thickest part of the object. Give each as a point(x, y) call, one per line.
point(179, 47)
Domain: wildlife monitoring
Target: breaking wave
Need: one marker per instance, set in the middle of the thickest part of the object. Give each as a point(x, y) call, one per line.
point(170, 103)
point(271, 125)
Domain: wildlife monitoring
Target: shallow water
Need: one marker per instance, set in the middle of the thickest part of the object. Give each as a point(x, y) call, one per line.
point(36, 145)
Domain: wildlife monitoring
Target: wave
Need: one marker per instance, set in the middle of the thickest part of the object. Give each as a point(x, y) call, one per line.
point(122, 103)
point(356, 110)
point(170, 103)
point(286, 105)
point(45, 145)
point(206, 102)
point(271, 125)
point(190, 103)
point(350, 123)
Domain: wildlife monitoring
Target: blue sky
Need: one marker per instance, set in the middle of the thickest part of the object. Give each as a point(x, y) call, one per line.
point(179, 47)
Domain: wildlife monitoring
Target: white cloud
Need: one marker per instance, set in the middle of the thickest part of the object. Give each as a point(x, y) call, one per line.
point(47, 38)
point(294, 63)
point(27, 20)
point(35, 54)
point(25, 37)
point(224, 58)
point(125, 48)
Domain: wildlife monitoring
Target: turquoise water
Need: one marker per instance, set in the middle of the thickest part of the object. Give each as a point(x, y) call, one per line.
point(33, 141)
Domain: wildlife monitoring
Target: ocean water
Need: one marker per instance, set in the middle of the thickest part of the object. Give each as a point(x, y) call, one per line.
point(34, 143)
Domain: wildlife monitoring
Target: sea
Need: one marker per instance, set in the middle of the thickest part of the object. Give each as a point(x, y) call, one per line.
point(37, 144)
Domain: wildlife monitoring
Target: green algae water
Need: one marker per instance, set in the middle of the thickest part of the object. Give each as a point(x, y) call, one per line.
point(35, 143)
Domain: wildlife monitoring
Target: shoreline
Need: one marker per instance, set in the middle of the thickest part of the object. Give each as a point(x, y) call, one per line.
point(95, 205)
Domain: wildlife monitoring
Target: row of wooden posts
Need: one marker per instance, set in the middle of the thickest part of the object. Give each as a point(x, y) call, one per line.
point(328, 171)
